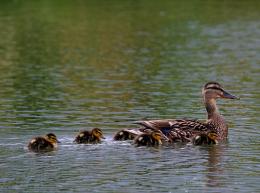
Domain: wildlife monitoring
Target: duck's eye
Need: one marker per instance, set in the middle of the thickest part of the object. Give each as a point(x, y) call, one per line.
point(54, 138)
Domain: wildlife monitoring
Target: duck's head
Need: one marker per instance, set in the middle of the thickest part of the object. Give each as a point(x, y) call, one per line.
point(98, 133)
point(157, 136)
point(213, 90)
point(52, 138)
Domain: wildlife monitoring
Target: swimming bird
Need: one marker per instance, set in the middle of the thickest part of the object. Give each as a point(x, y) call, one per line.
point(153, 138)
point(185, 130)
point(205, 139)
point(93, 136)
point(43, 143)
point(128, 134)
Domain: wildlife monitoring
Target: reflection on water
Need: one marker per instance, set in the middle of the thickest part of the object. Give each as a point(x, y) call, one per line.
point(215, 169)
point(70, 66)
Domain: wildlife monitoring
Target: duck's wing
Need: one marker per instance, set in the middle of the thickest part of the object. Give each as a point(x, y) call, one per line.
point(192, 125)
point(164, 124)
point(176, 130)
point(185, 130)
point(156, 124)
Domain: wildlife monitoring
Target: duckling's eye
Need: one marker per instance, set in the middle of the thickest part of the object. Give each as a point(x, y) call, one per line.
point(53, 138)
point(98, 132)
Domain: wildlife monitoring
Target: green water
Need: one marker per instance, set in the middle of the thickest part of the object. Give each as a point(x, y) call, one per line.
point(71, 65)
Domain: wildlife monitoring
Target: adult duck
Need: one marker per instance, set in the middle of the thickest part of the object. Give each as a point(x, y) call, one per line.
point(214, 129)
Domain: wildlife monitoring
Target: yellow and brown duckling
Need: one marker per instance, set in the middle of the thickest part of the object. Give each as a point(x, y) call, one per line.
point(183, 130)
point(153, 138)
point(93, 136)
point(44, 143)
point(205, 139)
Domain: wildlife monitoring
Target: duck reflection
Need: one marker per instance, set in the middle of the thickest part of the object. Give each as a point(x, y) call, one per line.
point(215, 168)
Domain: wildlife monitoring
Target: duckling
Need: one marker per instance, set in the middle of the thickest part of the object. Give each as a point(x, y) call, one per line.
point(123, 135)
point(127, 134)
point(205, 139)
point(93, 136)
point(153, 138)
point(43, 144)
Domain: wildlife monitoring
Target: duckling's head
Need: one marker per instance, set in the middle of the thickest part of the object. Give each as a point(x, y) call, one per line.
point(98, 133)
point(157, 136)
point(213, 90)
point(52, 138)
point(213, 137)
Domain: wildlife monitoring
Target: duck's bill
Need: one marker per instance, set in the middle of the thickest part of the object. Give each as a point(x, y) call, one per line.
point(229, 96)
point(102, 137)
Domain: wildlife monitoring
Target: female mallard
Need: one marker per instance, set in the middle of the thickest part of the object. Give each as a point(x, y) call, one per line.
point(153, 138)
point(42, 144)
point(182, 130)
point(93, 136)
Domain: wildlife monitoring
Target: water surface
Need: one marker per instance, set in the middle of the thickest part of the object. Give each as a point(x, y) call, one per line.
point(66, 66)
